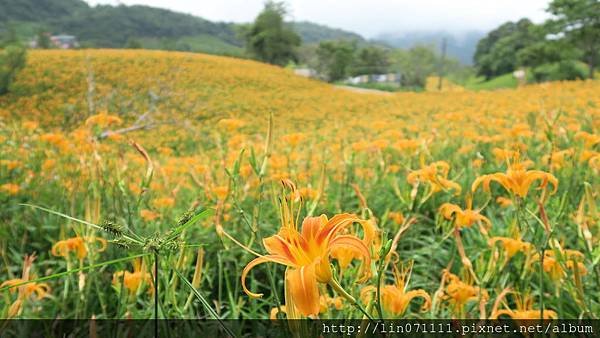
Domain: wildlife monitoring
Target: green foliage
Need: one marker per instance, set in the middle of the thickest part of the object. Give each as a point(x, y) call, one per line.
point(133, 44)
point(371, 60)
point(415, 65)
point(551, 48)
point(113, 26)
point(546, 51)
point(499, 82)
point(109, 26)
point(269, 38)
point(496, 54)
point(334, 59)
point(313, 33)
point(558, 71)
point(12, 59)
point(579, 23)
point(9, 36)
point(43, 40)
point(35, 10)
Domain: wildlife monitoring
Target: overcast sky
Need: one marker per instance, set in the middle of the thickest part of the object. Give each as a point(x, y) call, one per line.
point(367, 17)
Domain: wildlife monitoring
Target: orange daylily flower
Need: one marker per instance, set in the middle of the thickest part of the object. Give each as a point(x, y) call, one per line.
point(395, 298)
point(306, 193)
point(459, 292)
point(552, 265)
point(524, 310)
point(136, 279)
point(10, 188)
point(558, 159)
point(463, 217)
point(230, 124)
point(325, 302)
point(397, 217)
point(517, 180)
point(220, 192)
point(164, 202)
point(345, 255)
point(504, 202)
point(436, 174)
point(26, 291)
point(511, 246)
point(78, 245)
point(503, 155)
point(306, 254)
point(103, 120)
point(589, 139)
point(149, 215)
point(293, 139)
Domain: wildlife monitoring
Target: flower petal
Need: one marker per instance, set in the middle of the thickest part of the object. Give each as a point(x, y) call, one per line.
point(355, 244)
point(335, 224)
point(277, 245)
point(302, 284)
point(312, 225)
point(255, 262)
point(419, 293)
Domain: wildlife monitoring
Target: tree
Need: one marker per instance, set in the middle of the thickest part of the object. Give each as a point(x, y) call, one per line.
point(43, 40)
point(371, 60)
point(12, 59)
point(269, 38)
point(415, 65)
point(496, 54)
point(578, 21)
point(546, 51)
point(9, 36)
point(133, 43)
point(334, 59)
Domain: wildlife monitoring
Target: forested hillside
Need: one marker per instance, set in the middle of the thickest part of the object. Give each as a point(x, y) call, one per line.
point(140, 26)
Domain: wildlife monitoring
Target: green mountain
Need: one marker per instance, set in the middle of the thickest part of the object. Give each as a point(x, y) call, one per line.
point(314, 33)
point(39, 10)
point(148, 27)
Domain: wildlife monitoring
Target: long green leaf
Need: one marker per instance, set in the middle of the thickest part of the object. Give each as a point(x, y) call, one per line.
point(204, 303)
point(76, 220)
point(192, 221)
point(85, 268)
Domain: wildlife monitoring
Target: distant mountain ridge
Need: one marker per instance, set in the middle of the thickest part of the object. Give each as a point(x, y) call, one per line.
point(314, 33)
point(107, 26)
point(118, 26)
point(461, 46)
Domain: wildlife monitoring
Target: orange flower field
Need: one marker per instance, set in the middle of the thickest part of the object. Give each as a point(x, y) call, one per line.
point(256, 193)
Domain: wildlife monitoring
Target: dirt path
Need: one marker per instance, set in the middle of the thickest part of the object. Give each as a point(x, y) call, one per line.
point(364, 90)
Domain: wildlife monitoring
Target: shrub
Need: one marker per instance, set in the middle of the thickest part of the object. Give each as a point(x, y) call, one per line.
point(558, 71)
point(12, 59)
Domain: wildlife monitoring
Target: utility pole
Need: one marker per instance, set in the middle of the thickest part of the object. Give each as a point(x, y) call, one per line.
point(441, 66)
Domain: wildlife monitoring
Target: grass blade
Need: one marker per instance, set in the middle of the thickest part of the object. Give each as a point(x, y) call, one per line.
point(85, 268)
point(204, 303)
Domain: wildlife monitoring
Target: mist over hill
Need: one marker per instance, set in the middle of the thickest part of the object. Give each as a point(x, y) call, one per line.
point(459, 45)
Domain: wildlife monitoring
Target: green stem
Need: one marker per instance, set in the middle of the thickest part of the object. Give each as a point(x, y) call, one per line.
point(379, 273)
point(338, 288)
